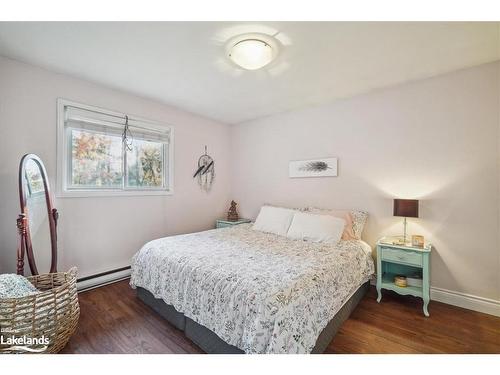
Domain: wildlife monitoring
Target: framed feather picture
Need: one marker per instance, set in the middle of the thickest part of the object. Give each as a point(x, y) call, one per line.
point(313, 168)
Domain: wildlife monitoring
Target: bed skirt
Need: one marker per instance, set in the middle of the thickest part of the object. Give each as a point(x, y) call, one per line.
point(209, 342)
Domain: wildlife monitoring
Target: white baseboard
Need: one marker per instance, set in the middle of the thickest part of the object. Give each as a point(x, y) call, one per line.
point(467, 301)
point(464, 300)
point(102, 280)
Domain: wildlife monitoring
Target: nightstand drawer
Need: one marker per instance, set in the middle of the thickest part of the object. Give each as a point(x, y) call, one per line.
point(401, 256)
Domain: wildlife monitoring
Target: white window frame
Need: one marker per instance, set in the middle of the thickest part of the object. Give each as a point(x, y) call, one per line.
point(63, 191)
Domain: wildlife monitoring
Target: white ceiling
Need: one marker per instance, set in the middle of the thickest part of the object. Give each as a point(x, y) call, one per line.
point(183, 63)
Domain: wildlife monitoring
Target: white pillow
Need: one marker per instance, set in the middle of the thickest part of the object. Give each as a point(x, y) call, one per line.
point(274, 220)
point(316, 228)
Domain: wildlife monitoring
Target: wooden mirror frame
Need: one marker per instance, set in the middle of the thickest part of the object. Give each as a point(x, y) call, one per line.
point(25, 245)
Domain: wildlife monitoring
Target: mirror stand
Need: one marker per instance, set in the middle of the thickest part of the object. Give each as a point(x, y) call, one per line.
point(37, 222)
point(21, 247)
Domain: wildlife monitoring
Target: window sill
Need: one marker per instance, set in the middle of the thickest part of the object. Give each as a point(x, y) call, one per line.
point(115, 193)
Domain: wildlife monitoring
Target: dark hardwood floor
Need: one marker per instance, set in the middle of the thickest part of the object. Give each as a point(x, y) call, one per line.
point(113, 320)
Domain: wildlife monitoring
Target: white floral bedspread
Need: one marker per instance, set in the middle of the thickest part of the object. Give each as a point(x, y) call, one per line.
point(260, 292)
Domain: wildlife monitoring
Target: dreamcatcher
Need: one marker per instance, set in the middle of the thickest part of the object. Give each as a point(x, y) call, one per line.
point(206, 171)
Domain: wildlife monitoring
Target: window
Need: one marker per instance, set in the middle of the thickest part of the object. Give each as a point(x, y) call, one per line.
point(94, 159)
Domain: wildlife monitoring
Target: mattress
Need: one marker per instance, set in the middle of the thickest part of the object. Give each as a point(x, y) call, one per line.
point(258, 292)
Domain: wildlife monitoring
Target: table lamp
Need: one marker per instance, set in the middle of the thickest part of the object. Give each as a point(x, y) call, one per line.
point(405, 208)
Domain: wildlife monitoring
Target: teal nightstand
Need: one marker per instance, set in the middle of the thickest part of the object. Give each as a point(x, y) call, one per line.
point(221, 223)
point(404, 260)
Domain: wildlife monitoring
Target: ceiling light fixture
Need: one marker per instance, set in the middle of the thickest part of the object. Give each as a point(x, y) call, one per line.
point(252, 51)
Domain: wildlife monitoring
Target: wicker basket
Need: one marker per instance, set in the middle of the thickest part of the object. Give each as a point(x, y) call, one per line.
point(52, 314)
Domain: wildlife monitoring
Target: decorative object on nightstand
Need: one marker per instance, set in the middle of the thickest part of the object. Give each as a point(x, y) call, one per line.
point(415, 279)
point(232, 214)
point(417, 241)
point(400, 280)
point(407, 261)
point(222, 223)
point(405, 208)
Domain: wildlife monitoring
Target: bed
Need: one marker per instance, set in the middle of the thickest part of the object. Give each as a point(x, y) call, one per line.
point(238, 290)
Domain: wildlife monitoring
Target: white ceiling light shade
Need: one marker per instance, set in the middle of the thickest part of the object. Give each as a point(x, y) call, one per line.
point(252, 51)
point(251, 54)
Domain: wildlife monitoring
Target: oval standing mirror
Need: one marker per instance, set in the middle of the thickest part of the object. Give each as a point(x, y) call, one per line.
point(38, 217)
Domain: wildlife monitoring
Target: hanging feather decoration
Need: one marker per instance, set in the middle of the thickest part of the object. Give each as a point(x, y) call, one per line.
point(205, 172)
point(207, 168)
point(198, 171)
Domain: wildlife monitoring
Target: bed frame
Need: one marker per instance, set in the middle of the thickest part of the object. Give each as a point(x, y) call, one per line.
point(209, 342)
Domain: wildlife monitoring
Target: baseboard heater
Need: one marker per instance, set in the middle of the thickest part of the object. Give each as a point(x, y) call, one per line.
point(103, 278)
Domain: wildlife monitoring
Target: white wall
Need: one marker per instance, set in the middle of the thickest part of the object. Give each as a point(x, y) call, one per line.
point(435, 140)
point(99, 234)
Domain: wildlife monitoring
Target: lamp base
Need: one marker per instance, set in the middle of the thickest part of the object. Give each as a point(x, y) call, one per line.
point(404, 233)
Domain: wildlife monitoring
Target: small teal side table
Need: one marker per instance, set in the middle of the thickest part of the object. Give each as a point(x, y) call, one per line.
point(404, 260)
point(221, 223)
